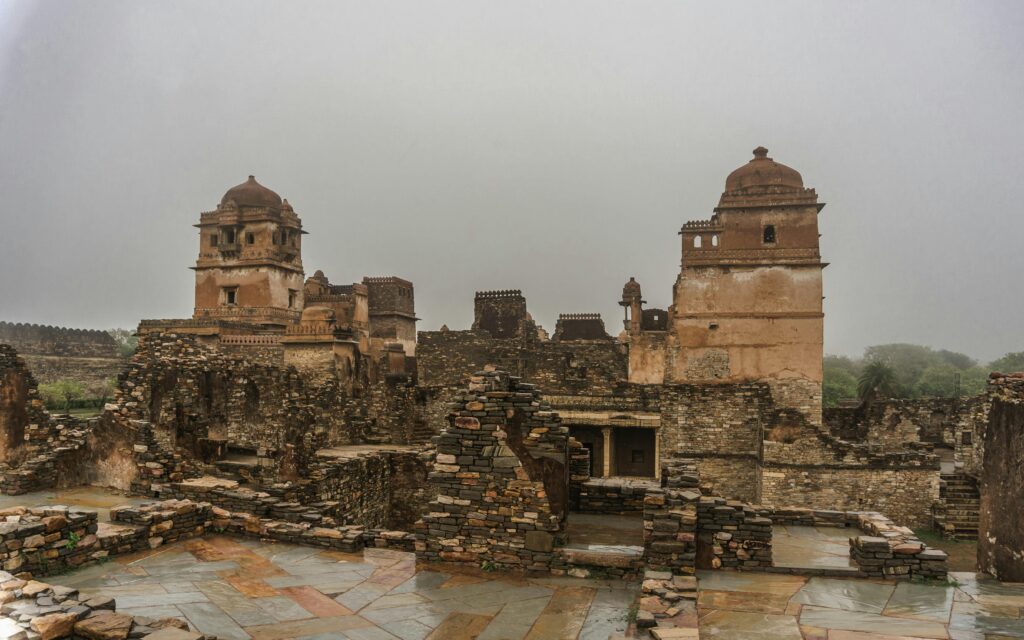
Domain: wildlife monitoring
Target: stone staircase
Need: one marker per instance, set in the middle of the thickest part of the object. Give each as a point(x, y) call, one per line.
point(957, 516)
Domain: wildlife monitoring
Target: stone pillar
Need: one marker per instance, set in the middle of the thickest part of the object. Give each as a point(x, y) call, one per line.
point(606, 434)
point(657, 454)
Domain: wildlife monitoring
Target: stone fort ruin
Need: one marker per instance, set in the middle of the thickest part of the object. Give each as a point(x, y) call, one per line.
point(301, 410)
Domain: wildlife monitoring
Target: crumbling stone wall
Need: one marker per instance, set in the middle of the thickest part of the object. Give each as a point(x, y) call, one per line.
point(19, 403)
point(591, 367)
point(501, 479)
point(893, 422)
point(811, 468)
point(375, 489)
point(721, 427)
point(1001, 523)
point(205, 404)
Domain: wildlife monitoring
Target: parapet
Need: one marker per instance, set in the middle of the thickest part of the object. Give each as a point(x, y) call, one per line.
point(500, 293)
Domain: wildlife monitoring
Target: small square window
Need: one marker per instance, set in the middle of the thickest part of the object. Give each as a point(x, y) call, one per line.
point(292, 296)
point(230, 295)
point(966, 438)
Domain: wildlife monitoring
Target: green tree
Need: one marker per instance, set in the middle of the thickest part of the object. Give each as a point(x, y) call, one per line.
point(61, 394)
point(906, 361)
point(973, 381)
point(101, 391)
point(838, 385)
point(126, 340)
point(937, 380)
point(877, 379)
point(1010, 363)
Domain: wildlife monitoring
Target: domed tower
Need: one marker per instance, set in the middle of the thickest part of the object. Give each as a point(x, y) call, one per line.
point(250, 259)
point(747, 305)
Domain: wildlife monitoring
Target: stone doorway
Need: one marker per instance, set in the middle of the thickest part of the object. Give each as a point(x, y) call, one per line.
point(634, 452)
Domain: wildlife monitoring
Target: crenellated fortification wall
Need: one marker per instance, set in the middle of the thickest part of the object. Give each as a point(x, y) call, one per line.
point(89, 357)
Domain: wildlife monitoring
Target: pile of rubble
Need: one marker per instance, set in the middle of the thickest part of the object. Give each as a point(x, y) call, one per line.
point(33, 610)
point(668, 606)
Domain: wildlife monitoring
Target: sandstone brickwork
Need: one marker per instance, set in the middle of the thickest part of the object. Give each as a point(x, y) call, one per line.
point(501, 479)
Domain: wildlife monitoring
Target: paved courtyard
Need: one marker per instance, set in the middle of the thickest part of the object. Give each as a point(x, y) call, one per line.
point(812, 547)
point(759, 606)
point(238, 589)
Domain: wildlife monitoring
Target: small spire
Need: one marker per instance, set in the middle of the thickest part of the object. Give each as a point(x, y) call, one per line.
point(760, 153)
point(252, 178)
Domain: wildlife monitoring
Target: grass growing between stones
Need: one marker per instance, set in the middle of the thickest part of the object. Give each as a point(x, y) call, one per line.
point(963, 554)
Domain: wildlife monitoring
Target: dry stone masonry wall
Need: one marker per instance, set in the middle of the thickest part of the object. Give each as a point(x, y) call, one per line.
point(501, 479)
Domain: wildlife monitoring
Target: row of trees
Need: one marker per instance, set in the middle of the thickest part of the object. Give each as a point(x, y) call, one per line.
point(909, 371)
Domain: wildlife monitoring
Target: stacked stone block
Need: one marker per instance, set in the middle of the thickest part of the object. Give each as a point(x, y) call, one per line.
point(892, 551)
point(680, 473)
point(739, 535)
point(45, 540)
point(165, 522)
point(670, 530)
point(614, 495)
point(501, 479)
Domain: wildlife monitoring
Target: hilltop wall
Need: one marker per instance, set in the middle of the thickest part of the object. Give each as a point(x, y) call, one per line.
point(59, 353)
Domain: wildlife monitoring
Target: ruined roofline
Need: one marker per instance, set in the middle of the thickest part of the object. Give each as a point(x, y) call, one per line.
point(579, 316)
point(499, 293)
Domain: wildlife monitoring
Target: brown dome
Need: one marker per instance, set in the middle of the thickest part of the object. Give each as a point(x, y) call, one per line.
point(252, 194)
point(631, 289)
point(762, 171)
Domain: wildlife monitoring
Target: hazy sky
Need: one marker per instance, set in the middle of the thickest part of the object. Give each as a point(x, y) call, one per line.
point(554, 147)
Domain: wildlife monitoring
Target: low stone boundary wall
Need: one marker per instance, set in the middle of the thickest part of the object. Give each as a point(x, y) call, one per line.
point(892, 551)
point(164, 522)
point(670, 530)
point(739, 535)
point(879, 547)
point(47, 540)
point(288, 505)
point(613, 495)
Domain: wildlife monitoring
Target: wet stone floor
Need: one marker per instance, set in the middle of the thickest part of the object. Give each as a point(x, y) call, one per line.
point(812, 547)
point(764, 606)
point(238, 589)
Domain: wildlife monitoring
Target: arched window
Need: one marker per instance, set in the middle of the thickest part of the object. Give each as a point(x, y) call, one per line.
point(769, 234)
point(714, 240)
point(696, 242)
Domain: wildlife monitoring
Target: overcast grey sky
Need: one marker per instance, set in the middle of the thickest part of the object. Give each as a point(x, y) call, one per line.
point(555, 147)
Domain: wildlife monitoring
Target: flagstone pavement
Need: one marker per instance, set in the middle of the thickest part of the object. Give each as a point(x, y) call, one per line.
point(764, 606)
point(239, 589)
